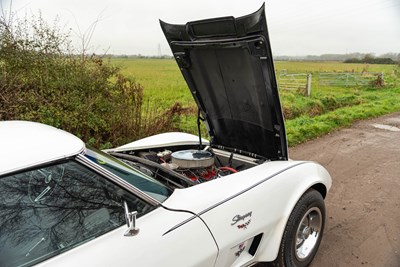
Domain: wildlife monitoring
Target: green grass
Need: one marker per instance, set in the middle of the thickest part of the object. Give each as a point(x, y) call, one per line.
point(163, 82)
point(374, 104)
point(329, 108)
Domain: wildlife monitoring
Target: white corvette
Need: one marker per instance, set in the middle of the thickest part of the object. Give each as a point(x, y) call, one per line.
point(172, 199)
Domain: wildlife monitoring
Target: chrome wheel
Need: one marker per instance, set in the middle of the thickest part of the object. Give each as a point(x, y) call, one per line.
point(308, 233)
point(303, 232)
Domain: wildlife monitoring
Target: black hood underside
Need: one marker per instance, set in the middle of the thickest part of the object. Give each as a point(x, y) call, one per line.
point(227, 64)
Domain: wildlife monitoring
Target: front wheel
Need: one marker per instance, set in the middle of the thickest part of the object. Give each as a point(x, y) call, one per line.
point(303, 232)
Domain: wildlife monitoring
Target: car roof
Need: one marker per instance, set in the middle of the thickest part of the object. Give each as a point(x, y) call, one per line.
point(25, 144)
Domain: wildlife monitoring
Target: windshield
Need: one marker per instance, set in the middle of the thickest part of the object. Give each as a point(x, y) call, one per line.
point(136, 178)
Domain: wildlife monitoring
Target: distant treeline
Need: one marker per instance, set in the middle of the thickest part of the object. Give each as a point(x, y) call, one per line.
point(140, 56)
point(388, 58)
point(372, 60)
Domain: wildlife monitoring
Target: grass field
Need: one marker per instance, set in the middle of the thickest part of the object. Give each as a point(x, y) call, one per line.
point(161, 79)
point(327, 109)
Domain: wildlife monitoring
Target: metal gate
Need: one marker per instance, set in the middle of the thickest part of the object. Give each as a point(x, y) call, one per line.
point(298, 81)
point(348, 78)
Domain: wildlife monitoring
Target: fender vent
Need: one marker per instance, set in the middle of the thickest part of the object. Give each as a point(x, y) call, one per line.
point(254, 245)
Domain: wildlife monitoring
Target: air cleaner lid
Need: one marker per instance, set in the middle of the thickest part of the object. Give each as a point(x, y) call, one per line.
point(193, 158)
point(192, 154)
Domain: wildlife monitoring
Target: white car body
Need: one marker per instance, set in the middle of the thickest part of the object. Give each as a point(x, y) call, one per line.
point(275, 187)
point(193, 227)
point(235, 200)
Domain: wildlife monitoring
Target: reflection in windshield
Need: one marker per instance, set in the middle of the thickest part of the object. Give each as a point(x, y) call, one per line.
point(136, 178)
point(47, 211)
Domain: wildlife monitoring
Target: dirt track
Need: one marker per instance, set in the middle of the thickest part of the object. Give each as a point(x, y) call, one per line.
point(363, 206)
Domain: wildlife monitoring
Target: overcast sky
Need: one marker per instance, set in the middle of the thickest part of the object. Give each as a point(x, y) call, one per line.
point(296, 27)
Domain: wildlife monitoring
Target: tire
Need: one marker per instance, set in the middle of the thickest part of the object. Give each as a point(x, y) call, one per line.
point(303, 232)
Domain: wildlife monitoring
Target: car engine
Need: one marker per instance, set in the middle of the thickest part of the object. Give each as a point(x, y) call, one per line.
point(197, 165)
point(185, 166)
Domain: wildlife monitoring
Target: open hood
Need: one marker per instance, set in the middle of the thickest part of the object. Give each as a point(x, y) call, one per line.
point(227, 64)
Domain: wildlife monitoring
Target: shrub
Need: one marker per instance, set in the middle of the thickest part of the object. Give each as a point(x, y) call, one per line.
point(42, 79)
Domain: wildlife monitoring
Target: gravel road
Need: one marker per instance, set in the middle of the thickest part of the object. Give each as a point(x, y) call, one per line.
point(363, 206)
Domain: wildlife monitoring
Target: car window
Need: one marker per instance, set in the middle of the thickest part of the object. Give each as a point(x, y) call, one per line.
point(133, 176)
point(47, 211)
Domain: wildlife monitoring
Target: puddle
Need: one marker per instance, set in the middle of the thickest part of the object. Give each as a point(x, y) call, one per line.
point(394, 121)
point(386, 127)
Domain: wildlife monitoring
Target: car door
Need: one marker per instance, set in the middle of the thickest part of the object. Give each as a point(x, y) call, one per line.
point(66, 214)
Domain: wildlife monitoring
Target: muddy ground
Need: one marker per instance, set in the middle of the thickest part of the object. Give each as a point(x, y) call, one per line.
point(363, 206)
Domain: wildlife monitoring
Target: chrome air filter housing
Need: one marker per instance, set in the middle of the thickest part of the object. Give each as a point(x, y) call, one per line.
point(193, 159)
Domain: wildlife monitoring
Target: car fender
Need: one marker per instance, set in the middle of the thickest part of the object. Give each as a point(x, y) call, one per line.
point(268, 191)
point(265, 209)
point(309, 175)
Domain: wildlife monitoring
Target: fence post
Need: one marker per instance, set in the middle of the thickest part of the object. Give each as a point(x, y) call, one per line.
point(309, 78)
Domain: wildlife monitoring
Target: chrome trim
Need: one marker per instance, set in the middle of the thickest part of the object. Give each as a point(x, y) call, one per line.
point(181, 223)
point(130, 221)
point(42, 163)
point(88, 163)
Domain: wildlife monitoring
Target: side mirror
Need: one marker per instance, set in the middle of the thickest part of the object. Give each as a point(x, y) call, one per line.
point(130, 221)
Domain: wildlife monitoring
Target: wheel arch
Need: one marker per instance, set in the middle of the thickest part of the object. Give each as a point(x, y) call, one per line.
point(321, 188)
point(319, 180)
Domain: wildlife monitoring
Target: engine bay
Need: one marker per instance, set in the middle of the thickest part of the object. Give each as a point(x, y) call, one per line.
point(184, 166)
